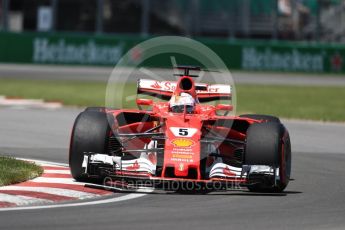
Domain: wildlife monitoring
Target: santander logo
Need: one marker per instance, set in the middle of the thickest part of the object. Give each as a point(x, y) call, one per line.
point(228, 172)
point(135, 166)
point(156, 85)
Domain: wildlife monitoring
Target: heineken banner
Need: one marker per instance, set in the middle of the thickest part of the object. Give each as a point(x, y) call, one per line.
point(40, 48)
point(43, 48)
point(286, 60)
point(46, 51)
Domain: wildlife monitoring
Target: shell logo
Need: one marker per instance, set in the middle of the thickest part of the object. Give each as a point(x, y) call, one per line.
point(181, 167)
point(182, 142)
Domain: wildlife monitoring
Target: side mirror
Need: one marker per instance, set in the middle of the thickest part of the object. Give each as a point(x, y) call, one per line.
point(224, 107)
point(142, 101)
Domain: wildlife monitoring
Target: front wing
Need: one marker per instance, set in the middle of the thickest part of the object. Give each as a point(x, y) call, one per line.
point(140, 172)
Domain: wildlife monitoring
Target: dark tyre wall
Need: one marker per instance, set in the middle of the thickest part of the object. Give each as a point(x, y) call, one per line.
point(90, 134)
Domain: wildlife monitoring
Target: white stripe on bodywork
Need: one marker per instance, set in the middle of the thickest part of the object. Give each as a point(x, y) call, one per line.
point(217, 170)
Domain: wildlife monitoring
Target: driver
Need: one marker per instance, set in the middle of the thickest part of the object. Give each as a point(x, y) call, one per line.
point(178, 103)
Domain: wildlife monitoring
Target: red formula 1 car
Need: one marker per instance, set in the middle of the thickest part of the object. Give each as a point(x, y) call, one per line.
point(181, 143)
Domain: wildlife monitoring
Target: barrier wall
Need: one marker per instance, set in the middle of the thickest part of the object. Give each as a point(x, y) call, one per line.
point(60, 48)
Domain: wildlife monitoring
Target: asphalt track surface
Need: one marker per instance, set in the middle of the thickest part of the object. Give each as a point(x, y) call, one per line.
point(39, 72)
point(313, 200)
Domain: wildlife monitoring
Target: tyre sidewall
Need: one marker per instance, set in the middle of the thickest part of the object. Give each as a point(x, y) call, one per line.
point(90, 133)
point(269, 144)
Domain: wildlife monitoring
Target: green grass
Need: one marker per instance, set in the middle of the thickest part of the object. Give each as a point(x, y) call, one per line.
point(68, 92)
point(301, 102)
point(14, 171)
point(315, 103)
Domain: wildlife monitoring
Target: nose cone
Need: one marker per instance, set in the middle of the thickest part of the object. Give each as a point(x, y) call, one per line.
point(182, 147)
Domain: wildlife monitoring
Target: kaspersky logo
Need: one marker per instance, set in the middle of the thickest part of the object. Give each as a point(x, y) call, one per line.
point(182, 142)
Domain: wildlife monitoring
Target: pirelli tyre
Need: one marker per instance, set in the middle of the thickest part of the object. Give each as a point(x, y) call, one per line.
point(90, 133)
point(267, 118)
point(268, 144)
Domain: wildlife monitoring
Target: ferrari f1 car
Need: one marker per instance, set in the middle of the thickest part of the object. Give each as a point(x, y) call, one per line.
point(181, 140)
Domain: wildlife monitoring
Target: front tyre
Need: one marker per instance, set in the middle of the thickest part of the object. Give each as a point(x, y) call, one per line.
point(268, 144)
point(90, 133)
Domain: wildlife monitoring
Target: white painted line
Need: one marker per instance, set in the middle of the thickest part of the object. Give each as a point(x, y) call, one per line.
point(56, 180)
point(34, 103)
point(45, 163)
point(55, 191)
point(57, 171)
point(22, 200)
point(97, 202)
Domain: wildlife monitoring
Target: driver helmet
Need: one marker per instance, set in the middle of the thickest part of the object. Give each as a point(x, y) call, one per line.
point(178, 103)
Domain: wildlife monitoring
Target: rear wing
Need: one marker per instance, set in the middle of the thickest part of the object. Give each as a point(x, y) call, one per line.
point(165, 90)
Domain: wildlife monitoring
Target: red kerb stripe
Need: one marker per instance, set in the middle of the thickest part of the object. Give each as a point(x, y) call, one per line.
point(40, 195)
point(54, 168)
point(80, 188)
point(4, 204)
point(56, 175)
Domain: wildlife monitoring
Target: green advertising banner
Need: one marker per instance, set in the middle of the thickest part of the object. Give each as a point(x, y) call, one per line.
point(40, 48)
point(281, 56)
point(60, 48)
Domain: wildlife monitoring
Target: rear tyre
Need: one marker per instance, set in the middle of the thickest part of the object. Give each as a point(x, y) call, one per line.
point(269, 144)
point(90, 133)
point(267, 118)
